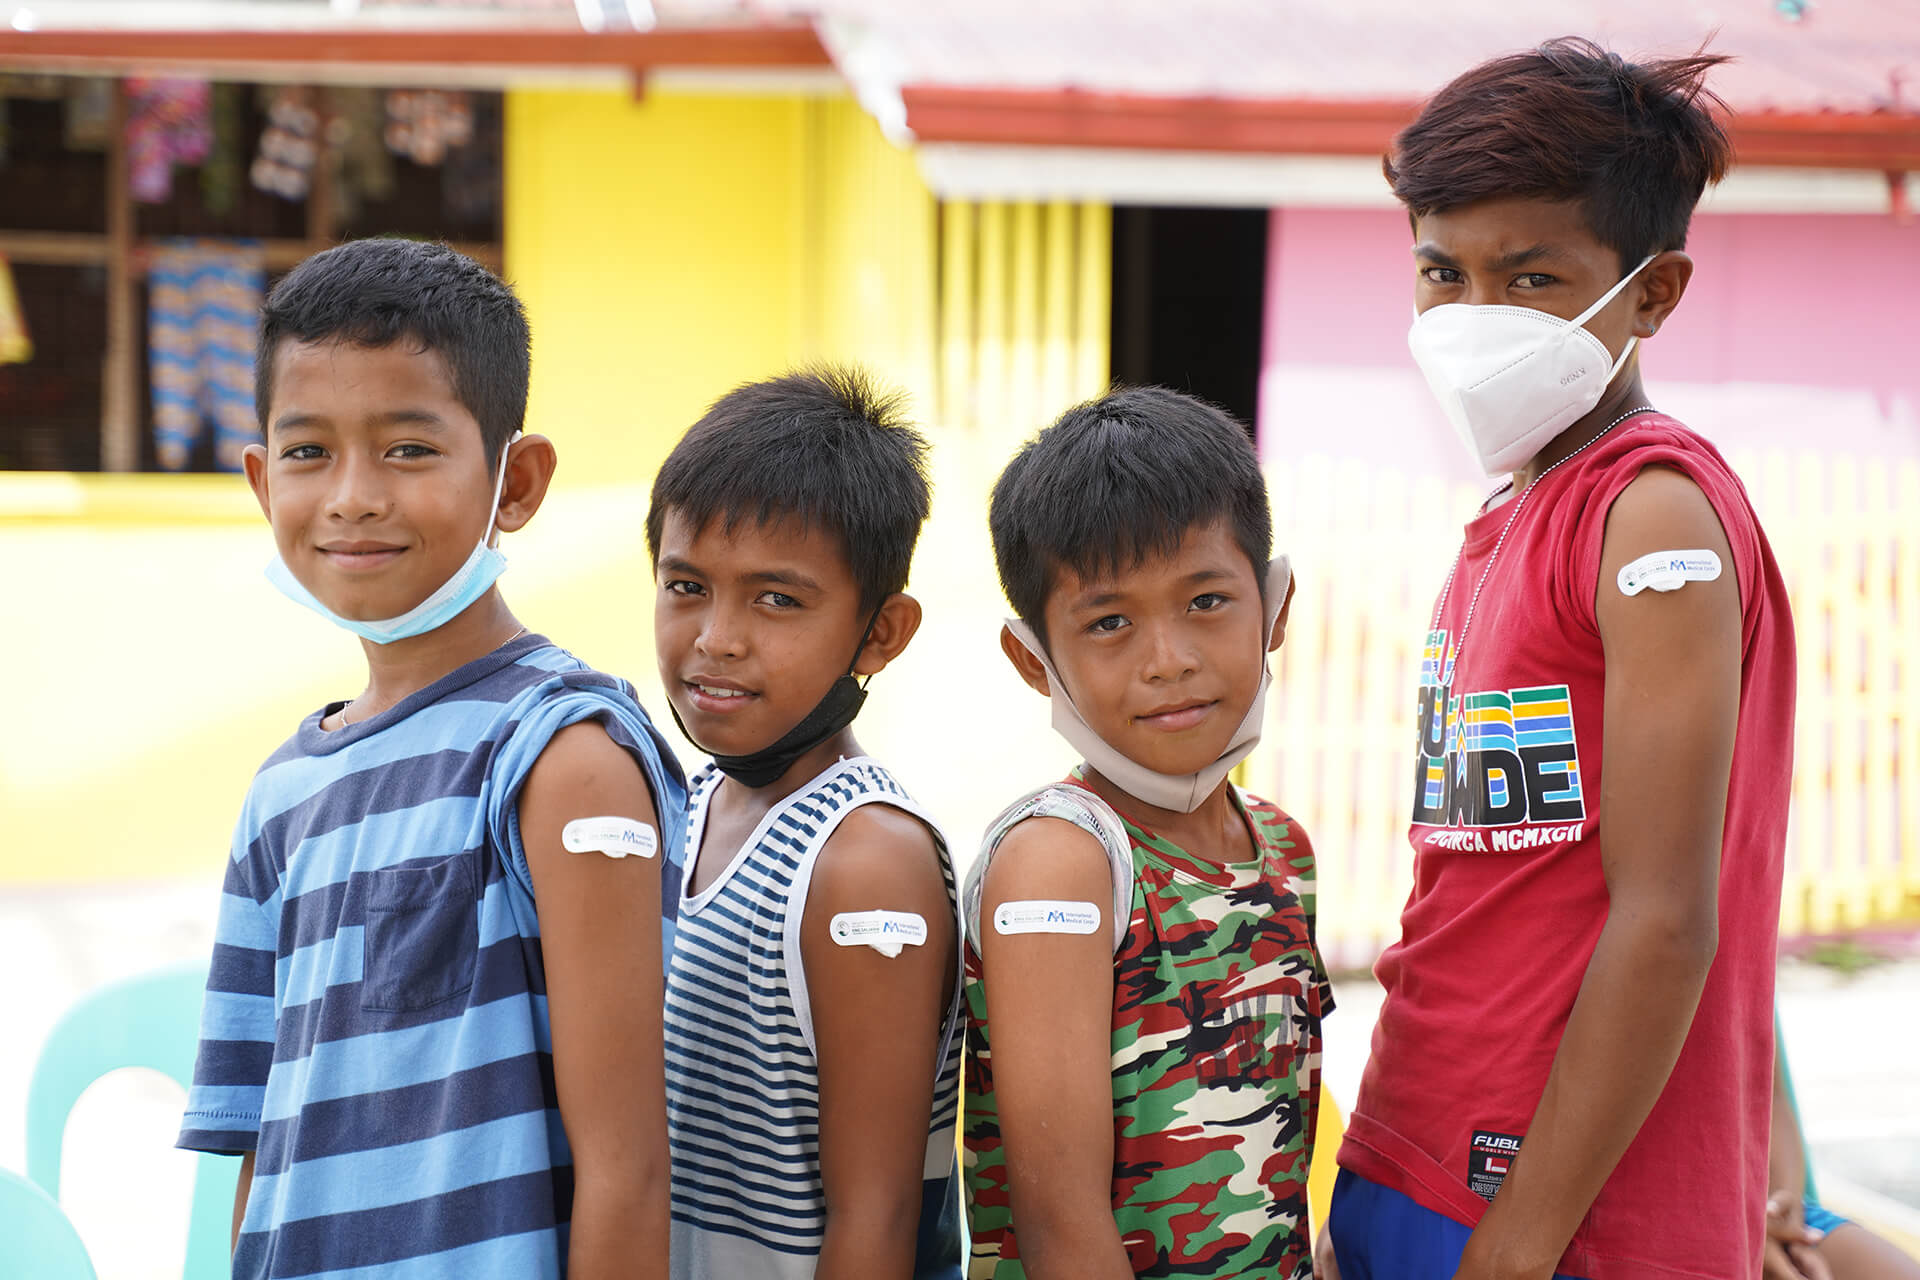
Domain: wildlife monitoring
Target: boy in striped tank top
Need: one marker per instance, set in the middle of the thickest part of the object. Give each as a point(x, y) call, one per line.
point(1143, 994)
point(432, 1025)
point(812, 1041)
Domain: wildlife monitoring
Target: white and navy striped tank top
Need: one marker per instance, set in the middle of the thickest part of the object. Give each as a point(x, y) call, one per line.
point(743, 1085)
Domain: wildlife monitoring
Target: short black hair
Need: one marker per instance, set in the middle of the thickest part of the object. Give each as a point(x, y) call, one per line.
point(374, 293)
point(828, 446)
point(1634, 145)
point(1116, 480)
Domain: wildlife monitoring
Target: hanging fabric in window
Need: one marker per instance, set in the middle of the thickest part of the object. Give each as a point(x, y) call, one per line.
point(204, 299)
point(169, 122)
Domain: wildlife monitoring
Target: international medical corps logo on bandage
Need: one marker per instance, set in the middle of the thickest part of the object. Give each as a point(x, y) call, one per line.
point(1496, 758)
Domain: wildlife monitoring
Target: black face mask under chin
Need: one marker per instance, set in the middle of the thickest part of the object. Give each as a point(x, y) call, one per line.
point(834, 712)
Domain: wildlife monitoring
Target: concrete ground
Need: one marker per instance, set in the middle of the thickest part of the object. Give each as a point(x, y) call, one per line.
point(1855, 1045)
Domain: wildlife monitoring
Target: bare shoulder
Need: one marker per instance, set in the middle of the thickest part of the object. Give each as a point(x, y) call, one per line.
point(878, 848)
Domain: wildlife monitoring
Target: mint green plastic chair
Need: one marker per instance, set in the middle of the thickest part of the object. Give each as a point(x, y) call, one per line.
point(152, 1021)
point(36, 1240)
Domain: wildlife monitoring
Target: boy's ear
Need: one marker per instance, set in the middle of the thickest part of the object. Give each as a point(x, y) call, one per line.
point(253, 461)
point(893, 626)
point(530, 464)
point(1279, 636)
point(1031, 669)
point(1662, 283)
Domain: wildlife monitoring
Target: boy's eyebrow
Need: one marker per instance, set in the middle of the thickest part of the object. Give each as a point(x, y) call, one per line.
point(422, 418)
point(770, 577)
point(1532, 253)
point(674, 564)
point(782, 578)
point(1099, 599)
point(1427, 252)
point(288, 421)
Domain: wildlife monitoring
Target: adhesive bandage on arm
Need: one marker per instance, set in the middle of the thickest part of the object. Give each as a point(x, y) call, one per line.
point(884, 931)
point(615, 837)
point(1668, 571)
point(1046, 915)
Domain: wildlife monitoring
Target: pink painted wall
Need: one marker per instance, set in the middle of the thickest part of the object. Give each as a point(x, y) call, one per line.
point(1798, 330)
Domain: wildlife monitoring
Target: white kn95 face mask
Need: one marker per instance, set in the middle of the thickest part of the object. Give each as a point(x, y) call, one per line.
point(1510, 379)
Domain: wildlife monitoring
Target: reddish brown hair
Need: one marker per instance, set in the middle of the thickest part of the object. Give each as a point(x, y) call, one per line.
point(1634, 144)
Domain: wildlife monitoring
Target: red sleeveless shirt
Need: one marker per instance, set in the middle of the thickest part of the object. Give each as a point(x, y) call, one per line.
point(1508, 899)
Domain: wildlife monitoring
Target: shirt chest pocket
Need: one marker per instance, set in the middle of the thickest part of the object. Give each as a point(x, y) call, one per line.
point(422, 935)
point(1253, 1039)
point(1257, 1013)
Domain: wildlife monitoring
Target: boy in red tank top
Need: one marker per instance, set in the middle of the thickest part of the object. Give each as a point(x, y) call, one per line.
point(1571, 1071)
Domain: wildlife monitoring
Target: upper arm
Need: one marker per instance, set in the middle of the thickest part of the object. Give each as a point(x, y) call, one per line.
point(1049, 1012)
point(877, 1019)
point(600, 937)
point(1673, 665)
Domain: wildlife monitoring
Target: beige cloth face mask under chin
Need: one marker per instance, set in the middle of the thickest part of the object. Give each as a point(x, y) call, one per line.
point(1180, 792)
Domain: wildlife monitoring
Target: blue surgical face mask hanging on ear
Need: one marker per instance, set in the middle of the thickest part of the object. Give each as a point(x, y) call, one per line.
point(469, 582)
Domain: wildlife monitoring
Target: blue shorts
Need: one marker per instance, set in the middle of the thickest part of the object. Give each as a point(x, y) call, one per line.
point(1379, 1234)
point(1821, 1218)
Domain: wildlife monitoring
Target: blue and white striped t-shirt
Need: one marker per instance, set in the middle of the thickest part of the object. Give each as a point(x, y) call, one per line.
point(743, 1084)
point(375, 1026)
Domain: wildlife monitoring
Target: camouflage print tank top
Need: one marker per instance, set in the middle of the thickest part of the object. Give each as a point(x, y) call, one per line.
point(1217, 1000)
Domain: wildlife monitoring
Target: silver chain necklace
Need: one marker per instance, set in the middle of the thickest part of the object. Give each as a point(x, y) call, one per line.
point(1460, 642)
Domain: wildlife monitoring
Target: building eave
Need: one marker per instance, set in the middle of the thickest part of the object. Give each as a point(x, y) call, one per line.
point(544, 48)
point(1888, 140)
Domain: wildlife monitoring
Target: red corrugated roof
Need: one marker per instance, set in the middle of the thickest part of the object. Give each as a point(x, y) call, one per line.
point(1832, 83)
point(1841, 55)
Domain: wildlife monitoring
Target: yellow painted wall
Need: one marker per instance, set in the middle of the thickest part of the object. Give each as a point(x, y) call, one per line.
point(673, 246)
point(667, 248)
point(656, 244)
point(868, 273)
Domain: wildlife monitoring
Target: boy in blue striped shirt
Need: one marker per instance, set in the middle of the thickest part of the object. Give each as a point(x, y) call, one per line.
point(432, 1025)
point(813, 1060)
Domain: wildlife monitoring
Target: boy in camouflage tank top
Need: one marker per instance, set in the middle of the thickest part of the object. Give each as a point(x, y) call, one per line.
point(1144, 996)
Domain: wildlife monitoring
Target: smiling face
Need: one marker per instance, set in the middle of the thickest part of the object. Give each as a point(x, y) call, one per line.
point(1163, 660)
point(752, 626)
point(373, 475)
point(1523, 253)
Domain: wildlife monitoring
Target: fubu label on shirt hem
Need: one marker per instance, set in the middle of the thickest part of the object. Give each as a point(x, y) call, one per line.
point(1489, 1159)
